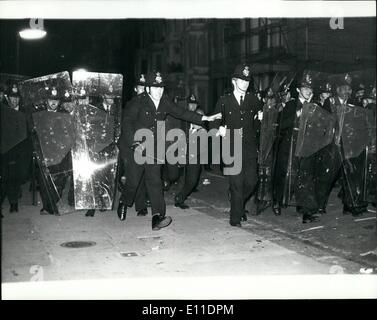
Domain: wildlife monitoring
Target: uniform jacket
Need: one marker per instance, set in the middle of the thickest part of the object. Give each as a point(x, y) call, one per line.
point(240, 117)
point(142, 114)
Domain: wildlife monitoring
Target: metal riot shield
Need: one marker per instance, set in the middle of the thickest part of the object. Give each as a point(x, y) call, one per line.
point(97, 126)
point(354, 129)
point(316, 130)
point(266, 152)
point(354, 137)
point(52, 137)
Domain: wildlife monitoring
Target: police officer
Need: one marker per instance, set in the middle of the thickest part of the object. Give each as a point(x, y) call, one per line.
point(323, 157)
point(351, 180)
point(193, 168)
point(126, 155)
point(149, 108)
point(13, 162)
point(288, 166)
point(241, 112)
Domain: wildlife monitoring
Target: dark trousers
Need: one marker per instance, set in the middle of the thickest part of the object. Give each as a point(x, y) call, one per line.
point(351, 173)
point(242, 186)
point(152, 176)
point(141, 196)
point(305, 187)
point(192, 175)
point(141, 192)
point(171, 172)
point(325, 174)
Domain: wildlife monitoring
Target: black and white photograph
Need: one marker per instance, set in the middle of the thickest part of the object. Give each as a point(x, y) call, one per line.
point(188, 150)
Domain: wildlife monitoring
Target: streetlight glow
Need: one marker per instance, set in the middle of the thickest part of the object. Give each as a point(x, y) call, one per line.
point(32, 34)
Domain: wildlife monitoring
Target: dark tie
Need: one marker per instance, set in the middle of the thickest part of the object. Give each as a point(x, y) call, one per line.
point(241, 100)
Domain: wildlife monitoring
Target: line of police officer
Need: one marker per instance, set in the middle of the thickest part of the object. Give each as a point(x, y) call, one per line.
point(241, 112)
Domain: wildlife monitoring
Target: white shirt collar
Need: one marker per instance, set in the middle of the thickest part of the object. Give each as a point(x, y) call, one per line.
point(342, 101)
point(156, 103)
point(302, 100)
point(238, 95)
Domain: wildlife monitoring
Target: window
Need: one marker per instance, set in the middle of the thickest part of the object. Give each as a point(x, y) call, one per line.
point(158, 62)
point(144, 66)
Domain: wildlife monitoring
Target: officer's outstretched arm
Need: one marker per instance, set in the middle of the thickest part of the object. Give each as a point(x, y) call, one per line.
point(184, 114)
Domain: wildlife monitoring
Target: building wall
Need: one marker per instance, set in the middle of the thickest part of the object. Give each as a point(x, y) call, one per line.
point(200, 54)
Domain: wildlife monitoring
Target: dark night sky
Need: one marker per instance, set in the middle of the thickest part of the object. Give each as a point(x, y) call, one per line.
point(96, 45)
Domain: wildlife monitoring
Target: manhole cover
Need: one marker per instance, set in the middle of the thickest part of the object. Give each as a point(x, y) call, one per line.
point(129, 254)
point(78, 244)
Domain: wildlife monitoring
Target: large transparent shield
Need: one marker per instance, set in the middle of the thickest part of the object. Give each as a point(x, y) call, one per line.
point(266, 152)
point(355, 136)
point(97, 127)
point(355, 129)
point(316, 130)
point(53, 138)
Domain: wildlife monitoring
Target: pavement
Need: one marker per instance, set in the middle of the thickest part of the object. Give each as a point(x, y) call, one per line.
point(199, 243)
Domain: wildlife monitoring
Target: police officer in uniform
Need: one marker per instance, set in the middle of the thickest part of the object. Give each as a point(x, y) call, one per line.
point(241, 112)
point(126, 155)
point(351, 198)
point(288, 166)
point(149, 108)
point(13, 162)
point(191, 170)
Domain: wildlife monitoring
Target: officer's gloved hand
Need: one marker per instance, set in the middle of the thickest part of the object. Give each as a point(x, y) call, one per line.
point(138, 146)
point(221, 131)
point(259, 115)
point(214, 117)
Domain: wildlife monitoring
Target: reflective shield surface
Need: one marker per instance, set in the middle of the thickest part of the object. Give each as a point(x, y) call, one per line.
point(355, 129)
point(97, 126)
point(316, 130)
point(356, 135)
point(53, 138)
point(266, 152)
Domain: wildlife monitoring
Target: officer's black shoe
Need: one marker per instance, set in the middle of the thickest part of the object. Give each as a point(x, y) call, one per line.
point(159, 222)
point(122, 211)
point(90, 213)
point(166, 185)
point(179, 202)
point(261, 206)
point(142, 212)
point(235, 224)
point(322, 210)
point(44, 212)
point(276, 209)
point(244, 217)
point(356, 212)
point(13, 207)
point(307, 217)
point(181, 205)
point(351, 210)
